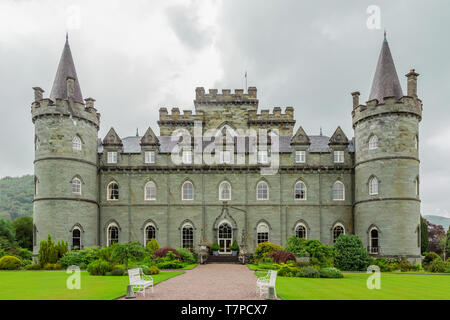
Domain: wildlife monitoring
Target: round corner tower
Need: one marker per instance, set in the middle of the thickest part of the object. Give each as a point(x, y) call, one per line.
point(65, 167)
point(387, 202)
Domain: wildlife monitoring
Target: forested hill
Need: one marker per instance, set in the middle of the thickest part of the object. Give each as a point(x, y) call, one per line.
point(16, 196)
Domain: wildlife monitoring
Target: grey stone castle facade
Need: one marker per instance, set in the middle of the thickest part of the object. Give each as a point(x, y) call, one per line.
point(96, 192)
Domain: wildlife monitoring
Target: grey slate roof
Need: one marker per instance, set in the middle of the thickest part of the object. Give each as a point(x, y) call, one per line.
point(385, 82)
point(66, 68)
point(132, 144)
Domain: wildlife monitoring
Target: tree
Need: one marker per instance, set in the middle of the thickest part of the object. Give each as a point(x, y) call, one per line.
point(7, 235)
point(436, 233)
point(350, 253)
point(124, 251)
point(423, 235)
point(23, 227)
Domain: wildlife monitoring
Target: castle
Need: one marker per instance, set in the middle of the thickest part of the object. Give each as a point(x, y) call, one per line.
point(90, 191)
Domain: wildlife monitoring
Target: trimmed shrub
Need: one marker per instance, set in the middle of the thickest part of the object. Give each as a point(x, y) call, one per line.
point(21, 253)
point(429, 257)
point(330, 273)
point(437, 265)
point(49, 252)
point(52, 266)
point(281, 256)
point(152, 245)
point(297, 246)
point(264, 248)
point(319, 253)
point(153, 270)
point(162, 252)
point(117, 272)
point(170, 264)
point(309, 272)
point(186, 255)
point(10, 263)
point(287, 270)
point(36, 266)
point(99, 267)
point(350, 253)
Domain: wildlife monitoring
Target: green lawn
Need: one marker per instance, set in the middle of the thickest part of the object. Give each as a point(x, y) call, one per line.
point(51, 285)
point(353, 287)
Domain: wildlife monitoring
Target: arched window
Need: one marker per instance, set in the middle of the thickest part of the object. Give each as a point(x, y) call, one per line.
point(262, 191)
point(224, 191)
point(150, 191)
point(374, 246)
point(337, 231)
point(36, 143)
point(187, 192)
point(149, 232)
point(416, 142)
point(112, 235)
point(262, 233)
point(301, 231)
point(373, 186)
point(417, 186)
point(36, 186)
point(76, 186)
point(76, 238)
point(76, 143)
point(300, 191)
point(338, 191)
point(112, 191)
point(187, 236)
point(373, 143)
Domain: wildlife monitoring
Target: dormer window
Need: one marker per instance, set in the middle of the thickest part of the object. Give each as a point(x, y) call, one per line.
point(149, 156)
point(338, 156)
point(112, 157)
point(262, 157)
point(300, 156)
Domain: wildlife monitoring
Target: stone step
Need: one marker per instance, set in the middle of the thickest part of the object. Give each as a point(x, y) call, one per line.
point(222, 259)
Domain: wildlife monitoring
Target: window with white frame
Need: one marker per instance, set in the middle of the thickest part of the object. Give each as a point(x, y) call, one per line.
point(112, 191)
point(262, 233)
point(300, 156)
point(224, 156)
point(300, 191)
point(187, 236)
point(187, 157)
point(373, 142)
point(301, 231)
point(374, 244)
point(373, 186)
point(262, 157)
point(112, 157)
point(76, 238)
point(150, 191)
point(76, 186)
point(76, 143)
point(225, 191)
point(338, 156)
point(149, 156)
point(187, 191)
point(149, 232)
point(338, 191)
point(337, 231)
point(262, 191)
point(112, 235)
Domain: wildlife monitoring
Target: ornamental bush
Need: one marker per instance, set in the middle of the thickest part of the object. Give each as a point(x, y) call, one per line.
point(264, 248)
point(281, 256)
point(53, 266)
point(330, 273)
point(99, 267)
point(152, 245)
point(10, 263)
point(350, 253)
point(153, 270)
point(186, 255)
point(162, 252)
point(170, 264)
point(36, 266)
point(309, 272)
point(429, 257)
point(437, 265)
point(297, 246)
point(49, 252)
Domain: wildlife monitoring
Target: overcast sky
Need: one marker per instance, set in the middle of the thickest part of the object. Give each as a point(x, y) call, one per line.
point(136, 56)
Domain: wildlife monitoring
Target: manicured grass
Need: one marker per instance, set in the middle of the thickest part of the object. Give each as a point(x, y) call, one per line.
point(189, 266)
point(353, 287)
point(51, 285)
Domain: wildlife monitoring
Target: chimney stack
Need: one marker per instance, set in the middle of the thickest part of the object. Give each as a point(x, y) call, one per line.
point(412, 83)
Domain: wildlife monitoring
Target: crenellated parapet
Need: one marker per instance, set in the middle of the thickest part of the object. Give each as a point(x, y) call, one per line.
point(265, 117)
point(226, 97)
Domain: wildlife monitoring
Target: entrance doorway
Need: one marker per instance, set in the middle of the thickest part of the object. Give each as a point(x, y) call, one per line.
point(225, 238)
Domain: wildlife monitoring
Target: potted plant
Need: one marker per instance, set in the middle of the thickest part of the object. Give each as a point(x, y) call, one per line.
point(234, 248)
point(215, 249)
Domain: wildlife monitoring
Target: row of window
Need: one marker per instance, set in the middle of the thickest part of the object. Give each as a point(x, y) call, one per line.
point(187, 191)
point(373, 142)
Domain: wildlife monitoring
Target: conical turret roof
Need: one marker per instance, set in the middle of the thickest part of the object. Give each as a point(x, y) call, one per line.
point(66, 68)
point(385, 82)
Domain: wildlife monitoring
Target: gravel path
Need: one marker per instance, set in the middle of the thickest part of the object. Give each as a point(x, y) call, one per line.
point(207, 282)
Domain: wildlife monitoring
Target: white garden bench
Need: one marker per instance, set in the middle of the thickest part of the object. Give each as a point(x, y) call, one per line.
point(264, 283)
point(139, 280)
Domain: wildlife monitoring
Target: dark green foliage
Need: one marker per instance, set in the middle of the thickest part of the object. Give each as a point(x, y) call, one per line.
point(215, 247)
point(169, 264)
point(10, 263)
point(447, 244)
point(319, 253)
point(117, 271)
point(310, 272)
point(331, 273)
point(152, 245)
point(99, 267)
point(7, 235)
point(186, 255)
point(423, 235)
point(49, 252)
point(123, 252)
point(153, 270)
point(429, 257)
point(264, 248)
point(297, 246)
point(350, 253)
point(282, 256)
point(234, 246)
point(23, 227)
point(52, 266)
point(287, 270)
point(21, 253)
point(16, 196)
point(81, 258)
point(162, 252)
point(437, 265)
point(36, 266)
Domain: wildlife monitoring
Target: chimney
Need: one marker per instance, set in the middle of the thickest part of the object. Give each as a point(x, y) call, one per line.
point(355, 99)
point(37, 94)
point(412, 83)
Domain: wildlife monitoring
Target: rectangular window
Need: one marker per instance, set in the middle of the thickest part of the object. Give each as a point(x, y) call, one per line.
point(262, 157)
point(149, 156)
point(224, 157)
point(187, 157)
point(112, 157)
point(338, 156)
point(300, 156)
